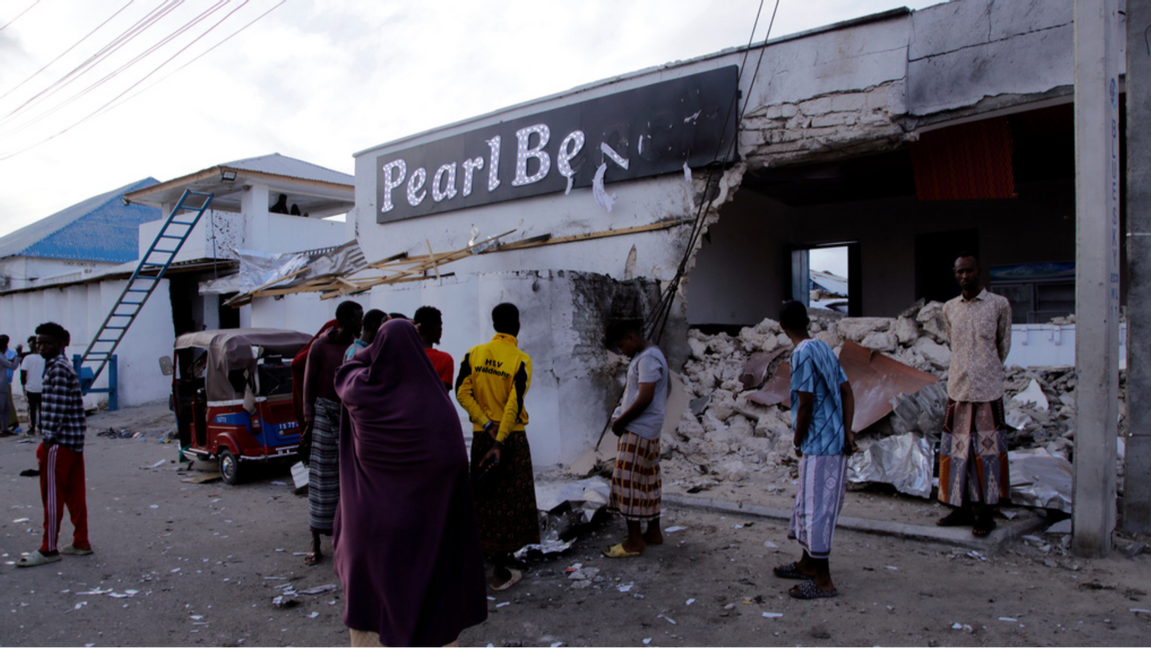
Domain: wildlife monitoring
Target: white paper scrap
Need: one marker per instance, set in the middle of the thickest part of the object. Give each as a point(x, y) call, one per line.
point(313, 615)
point(687, 173)
point(667, 618)
point(689, 602)
point(772, 615)
point(505, 603)
point(674, 529)
point(1009, 619)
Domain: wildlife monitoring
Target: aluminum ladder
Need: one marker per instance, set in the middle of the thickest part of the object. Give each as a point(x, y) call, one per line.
point(153, 264)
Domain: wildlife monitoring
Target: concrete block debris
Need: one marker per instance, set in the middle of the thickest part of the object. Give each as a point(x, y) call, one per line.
point(737, 425)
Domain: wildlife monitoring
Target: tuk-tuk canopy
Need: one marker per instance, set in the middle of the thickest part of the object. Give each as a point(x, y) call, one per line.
point(231, 349)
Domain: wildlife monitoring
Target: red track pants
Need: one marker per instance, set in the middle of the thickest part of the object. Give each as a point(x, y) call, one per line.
point(62, 484)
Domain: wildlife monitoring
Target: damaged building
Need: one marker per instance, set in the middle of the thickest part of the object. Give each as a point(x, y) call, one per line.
point(901, 138)
point(695, 195)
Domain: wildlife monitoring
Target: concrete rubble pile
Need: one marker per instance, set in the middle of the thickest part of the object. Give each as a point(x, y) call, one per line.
point(729, 434)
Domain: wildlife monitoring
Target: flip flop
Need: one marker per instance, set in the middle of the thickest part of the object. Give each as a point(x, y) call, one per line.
point(983, 527)
point(36, 559)
point(73, 550)
point(790, 571)
point(958, 517)
point(517, 575)
point(617, 551)
point(312, 558)
point(807, 590)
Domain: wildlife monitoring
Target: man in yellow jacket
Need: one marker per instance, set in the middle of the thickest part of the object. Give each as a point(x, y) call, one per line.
point(493, 381)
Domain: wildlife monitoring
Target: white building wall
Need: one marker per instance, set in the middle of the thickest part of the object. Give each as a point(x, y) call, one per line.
point(26, 272)
point(566, 398)
point(81, 308)
point(271, 233)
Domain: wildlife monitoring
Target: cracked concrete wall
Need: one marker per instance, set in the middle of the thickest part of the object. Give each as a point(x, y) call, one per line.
point(868, 88)
point(562, 317)
point(961, 53)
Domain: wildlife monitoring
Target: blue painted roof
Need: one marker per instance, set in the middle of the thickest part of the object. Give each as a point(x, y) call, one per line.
point(101, 228)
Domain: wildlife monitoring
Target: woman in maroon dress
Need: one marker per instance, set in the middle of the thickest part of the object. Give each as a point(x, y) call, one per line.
point(406, 541)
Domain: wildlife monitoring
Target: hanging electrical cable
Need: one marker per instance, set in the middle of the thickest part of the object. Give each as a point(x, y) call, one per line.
point(658, 322)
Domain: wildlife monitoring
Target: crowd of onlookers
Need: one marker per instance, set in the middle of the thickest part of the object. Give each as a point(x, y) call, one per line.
point(30, 365)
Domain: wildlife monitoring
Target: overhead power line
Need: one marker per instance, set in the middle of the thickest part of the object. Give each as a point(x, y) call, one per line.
point(197, 27)
point(2, 27)
point(65, 52)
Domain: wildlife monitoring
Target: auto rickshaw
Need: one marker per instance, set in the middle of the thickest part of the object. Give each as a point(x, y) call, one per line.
point(232, 396)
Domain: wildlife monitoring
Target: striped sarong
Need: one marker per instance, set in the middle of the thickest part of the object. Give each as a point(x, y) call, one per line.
point(635, 484)
point(822, 485)
point(973, 466)
point(324, 467)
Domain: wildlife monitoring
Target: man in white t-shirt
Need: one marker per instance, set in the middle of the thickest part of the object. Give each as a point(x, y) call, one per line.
point(635, 482)
point(32, 381)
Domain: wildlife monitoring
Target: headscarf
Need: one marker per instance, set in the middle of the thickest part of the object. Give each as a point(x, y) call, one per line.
point(406, 541)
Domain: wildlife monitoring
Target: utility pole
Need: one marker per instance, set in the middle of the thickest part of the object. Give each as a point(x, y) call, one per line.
point(1096, 273)
point(1137, 486)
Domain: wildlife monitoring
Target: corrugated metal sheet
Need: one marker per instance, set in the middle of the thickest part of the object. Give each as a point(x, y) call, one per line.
point(291, 167)
point(101, 228)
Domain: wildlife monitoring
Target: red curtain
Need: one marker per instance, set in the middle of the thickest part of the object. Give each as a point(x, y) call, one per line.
point(965, 162)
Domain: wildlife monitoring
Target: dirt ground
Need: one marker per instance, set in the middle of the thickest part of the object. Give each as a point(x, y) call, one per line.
point(199, 564)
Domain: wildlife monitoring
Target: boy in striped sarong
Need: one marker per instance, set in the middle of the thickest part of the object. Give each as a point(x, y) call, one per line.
point(637, 421)
point(822, 408)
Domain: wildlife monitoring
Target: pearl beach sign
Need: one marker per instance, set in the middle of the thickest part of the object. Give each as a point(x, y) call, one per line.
point(637, 133)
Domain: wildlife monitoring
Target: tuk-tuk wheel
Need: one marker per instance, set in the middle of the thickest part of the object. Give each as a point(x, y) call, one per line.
point(229, 467)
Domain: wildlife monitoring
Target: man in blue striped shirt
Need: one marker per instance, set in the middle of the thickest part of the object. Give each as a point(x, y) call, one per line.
point(61, 455)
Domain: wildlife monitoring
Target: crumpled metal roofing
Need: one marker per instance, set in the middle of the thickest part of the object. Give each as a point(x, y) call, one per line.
point(290, 167)
point(101, 228)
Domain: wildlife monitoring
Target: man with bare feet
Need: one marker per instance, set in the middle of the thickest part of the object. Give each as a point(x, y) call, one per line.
point(635, 483)
point(822, 408)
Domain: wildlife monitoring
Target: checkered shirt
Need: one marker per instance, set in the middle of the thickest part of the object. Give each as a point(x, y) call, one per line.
point(61, 405)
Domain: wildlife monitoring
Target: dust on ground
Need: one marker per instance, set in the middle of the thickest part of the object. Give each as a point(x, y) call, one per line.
point(199, 564)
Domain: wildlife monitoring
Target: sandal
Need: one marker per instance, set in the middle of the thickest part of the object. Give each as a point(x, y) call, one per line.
point(517, 575)
point(807, 590)
point(617, 551)
point(36, 559)
point(958, 517)
point(983, 526)
point(791, 571)
point(312, 558)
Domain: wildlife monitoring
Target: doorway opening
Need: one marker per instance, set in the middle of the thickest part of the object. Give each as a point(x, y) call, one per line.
point(828, 277)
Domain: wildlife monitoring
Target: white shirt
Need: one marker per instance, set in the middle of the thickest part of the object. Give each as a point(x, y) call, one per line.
point(34, 365)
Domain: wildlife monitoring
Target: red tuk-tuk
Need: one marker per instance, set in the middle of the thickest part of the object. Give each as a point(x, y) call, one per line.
point(232, 396)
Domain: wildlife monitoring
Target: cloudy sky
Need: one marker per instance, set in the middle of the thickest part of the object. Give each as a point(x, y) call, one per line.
point(96, 94)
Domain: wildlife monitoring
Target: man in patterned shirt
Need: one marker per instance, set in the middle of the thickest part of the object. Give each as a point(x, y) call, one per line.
point(973, 473)
point(61, 455)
